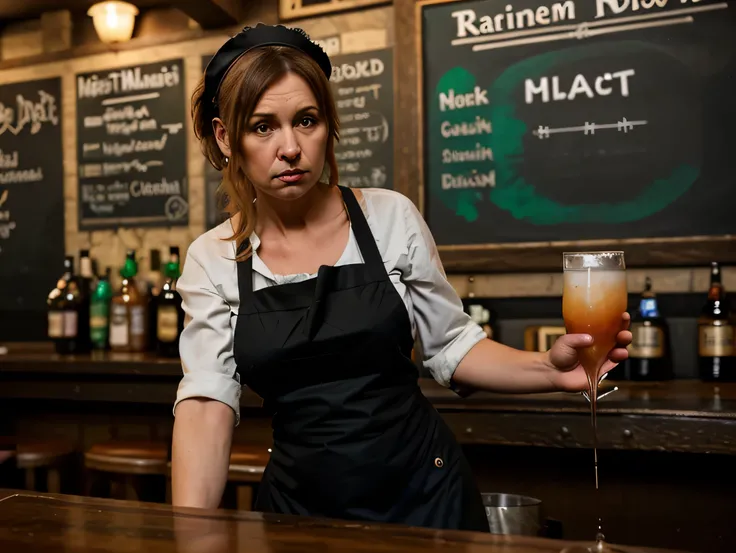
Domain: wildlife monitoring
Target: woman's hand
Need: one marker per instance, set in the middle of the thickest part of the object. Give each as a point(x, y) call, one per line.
point(568, 374)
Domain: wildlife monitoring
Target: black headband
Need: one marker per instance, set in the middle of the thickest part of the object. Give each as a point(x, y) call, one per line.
point(255, 37)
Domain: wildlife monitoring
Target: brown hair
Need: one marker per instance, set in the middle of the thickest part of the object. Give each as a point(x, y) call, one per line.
point(241, 90)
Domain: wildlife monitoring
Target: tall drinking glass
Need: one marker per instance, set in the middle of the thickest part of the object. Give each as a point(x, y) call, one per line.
point(593, 302)
point(594, 299)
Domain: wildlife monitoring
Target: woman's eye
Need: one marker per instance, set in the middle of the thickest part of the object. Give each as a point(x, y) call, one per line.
point(262, 128)
point(308, 121)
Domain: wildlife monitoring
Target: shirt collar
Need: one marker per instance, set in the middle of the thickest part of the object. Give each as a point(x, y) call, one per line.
point(258, 265)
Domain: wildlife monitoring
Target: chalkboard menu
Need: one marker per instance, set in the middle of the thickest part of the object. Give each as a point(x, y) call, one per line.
point(31, 205)
point(131, 147)
point(363, 88)
point(578, 120)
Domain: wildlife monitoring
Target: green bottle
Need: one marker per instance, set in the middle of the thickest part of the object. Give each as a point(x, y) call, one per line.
point(99, 312)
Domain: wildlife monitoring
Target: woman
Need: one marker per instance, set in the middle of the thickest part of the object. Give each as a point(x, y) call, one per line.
point(312, 295)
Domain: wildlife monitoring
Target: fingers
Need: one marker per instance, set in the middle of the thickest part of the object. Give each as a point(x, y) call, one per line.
point(577, 340)
point(624, 338)
point(618, 354)
point(626, 321)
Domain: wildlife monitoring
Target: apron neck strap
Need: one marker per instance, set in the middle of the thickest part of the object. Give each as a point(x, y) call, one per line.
point(245, 273)
point(363, 234)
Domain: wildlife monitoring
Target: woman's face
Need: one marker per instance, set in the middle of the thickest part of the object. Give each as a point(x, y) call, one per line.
point(285, 140)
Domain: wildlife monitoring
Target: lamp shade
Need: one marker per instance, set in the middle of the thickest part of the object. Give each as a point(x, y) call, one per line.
point(113, 20)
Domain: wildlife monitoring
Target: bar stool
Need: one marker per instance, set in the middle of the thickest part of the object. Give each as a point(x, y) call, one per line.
point(247, 463)
point(125, 464)
point(32, 456)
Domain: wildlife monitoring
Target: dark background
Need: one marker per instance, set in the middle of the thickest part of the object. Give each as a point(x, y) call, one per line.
point(31, 258)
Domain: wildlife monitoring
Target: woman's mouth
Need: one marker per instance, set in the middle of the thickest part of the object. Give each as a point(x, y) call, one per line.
point(291, 176)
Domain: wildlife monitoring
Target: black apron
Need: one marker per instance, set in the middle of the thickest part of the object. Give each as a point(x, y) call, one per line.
point(353, 436)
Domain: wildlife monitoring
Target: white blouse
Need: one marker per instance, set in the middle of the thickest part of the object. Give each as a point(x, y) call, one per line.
point(209, 289)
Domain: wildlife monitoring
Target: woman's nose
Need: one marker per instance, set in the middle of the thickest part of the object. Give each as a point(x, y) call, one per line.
point(290, 149)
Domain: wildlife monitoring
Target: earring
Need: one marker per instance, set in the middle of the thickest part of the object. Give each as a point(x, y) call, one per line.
point(227, 160)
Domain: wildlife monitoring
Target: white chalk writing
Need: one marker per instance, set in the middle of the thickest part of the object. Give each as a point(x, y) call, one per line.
point(28, 113)
point(127, 80)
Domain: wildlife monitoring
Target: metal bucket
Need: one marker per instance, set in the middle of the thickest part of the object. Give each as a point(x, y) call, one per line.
point(514, 514)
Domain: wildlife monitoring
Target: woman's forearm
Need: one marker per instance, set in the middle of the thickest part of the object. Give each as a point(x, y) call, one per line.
point(494, 367)
point(200, 454)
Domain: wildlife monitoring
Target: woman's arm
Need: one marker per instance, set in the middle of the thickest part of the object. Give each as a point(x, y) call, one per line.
point(208, 399)
point(200, 454)
point(495, 367)
point(456, 349)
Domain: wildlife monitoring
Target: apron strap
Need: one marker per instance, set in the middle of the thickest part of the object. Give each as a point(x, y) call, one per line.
point(363, 234)
point(245, 275)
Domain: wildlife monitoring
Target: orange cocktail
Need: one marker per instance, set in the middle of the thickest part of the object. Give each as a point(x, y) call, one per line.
point(593, 302)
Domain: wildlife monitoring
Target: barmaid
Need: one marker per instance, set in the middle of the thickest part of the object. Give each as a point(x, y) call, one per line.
point(312, 295)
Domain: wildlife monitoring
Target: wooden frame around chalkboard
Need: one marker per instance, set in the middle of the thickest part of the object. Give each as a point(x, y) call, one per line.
point(542, 256)
point(293, 9)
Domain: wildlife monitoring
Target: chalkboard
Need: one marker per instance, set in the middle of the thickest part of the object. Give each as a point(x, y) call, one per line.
point(31, 205)
point(362, 85)
point(578, 120)
point(132, 146)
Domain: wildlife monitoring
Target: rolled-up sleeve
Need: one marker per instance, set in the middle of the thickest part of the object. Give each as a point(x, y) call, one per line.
point(446, 332)
point(206, 343)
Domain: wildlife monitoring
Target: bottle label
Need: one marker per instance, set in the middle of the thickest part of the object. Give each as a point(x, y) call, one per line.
point(716, 340)
point(648, 341)
point(70, 324)
point(137, 320)
point(99, 318)
point(56, 324)
point(167, 323)
point(119, 325)
point(85, 267)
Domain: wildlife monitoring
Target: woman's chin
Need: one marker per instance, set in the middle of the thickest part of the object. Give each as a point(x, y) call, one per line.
point(290, 190)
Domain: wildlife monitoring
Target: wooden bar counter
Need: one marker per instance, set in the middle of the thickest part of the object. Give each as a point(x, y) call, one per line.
point(684, 416)
point(45, 523)
point(666, 450)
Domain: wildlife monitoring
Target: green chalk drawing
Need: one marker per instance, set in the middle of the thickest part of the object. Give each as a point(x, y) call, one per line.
point(512, 193)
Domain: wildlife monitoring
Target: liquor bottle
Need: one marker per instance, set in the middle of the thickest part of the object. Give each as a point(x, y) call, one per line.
point(85, 282)
point(66, 308)
point(169, 313)
point(86, 276)
point(649, 352)
point(150, 287)
point(716, 352)
point(99, 312)
point(55, 304)
point(128, 324)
